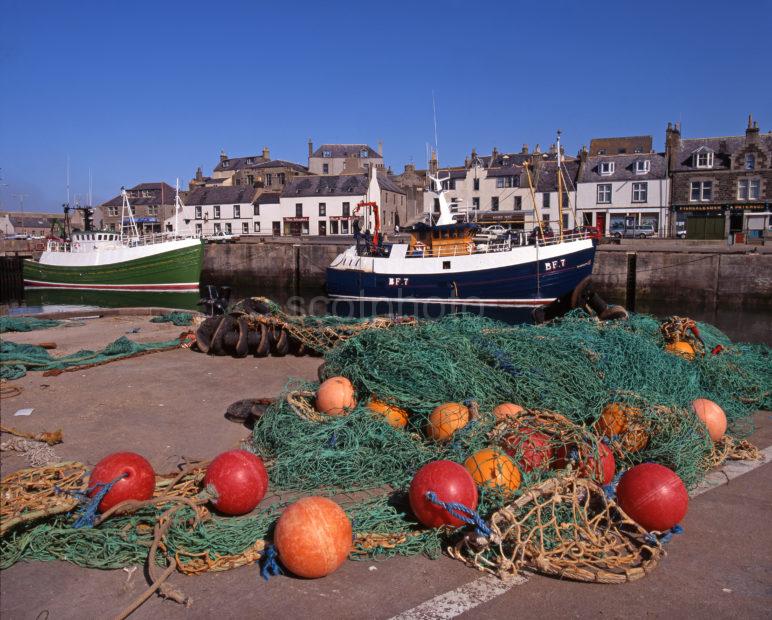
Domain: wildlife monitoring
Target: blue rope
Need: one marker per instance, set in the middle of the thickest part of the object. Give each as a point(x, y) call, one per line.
point(665, 538)
point(332, 441)
point(462, 513)
point(270, 567)
point(89, 505)
point(610, 489)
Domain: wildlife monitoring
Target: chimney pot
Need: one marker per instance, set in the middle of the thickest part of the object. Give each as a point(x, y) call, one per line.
point(310, 148)
point(266, 153)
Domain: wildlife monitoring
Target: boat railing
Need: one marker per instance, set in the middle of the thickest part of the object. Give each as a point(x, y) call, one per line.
point(149, 239)
point(495, 245)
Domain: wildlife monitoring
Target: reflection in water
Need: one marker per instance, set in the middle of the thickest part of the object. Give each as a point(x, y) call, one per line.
point(740, 324)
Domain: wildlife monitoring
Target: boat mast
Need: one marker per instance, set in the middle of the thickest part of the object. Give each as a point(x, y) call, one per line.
point(176, 205)
point(126, 212)
point(560, 192)
point(533, 199)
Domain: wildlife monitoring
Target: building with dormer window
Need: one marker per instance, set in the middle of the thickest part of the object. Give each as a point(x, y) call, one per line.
point(618, 191)
point(717, 182)
point(334, 159)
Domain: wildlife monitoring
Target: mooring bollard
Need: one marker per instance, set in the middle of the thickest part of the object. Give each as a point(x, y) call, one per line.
point(632, 258)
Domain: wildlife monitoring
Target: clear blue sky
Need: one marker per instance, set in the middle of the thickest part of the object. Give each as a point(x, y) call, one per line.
point(142, 91)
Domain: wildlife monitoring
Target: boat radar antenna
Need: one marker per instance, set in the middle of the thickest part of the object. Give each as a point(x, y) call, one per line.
point(126, 213)
point(446, 217)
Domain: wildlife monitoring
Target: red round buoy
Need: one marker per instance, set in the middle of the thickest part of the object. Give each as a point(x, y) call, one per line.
point(138, 482)
point(531, 446)
point(602, 472)
point(653, 496)
point(451, 482)
point(237, 481)
point(313, 537)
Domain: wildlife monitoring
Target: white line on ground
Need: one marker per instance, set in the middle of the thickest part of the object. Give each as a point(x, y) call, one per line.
point(466, 597)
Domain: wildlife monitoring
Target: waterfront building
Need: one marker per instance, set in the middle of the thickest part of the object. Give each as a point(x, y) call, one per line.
point(37, 224)
point(717, 183)
point(230, 169)
point(414, 183)
point(326, 204)
point(255, 171)
point(335, 159)
point(623, 185)
point(218, 210)
point(495, 188)
point(152, 204)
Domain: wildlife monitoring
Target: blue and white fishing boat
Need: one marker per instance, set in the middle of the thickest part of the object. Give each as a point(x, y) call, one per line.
point(442, 264)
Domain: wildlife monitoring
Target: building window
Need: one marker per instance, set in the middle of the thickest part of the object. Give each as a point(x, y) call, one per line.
point(545, 202)
point(346, 209)
point(112, 211)
point(268, 179)
point(133, 210)
point(344, 227)
point(495, 203)
point(640, 192)
point(702, 191)
point(476, 204)
point(218, 228)
point(449, 184)
point(606, 167)
point(224, 163)
point(325, 168)
point(704, 159)
point(298, 209)
point(216, 212)
point(236, 212)
point(504, 182)
point(256, 227)
point(112, 227)
point(256, 210)
point(642, 166)
point(638, 149)
point(326, 153)
point(748, 189)
point(476, 185)
point(436, 205)
point(198, 214)
point(245, 227)
point(322, 209)
point(280, 178)
point(601, 151)
point(363, 153)
point(604, 194)
point(251, 179)
point(250, 161)
point(198, 229)
point(518, 203)
point(228, 228)
point(152, 210)
point(750, 161)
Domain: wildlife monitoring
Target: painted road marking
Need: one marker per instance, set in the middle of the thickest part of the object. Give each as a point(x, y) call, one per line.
point(475, 593)
point(462, 599)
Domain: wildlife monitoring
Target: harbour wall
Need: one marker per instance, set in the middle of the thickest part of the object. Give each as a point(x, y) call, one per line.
point(710, 275)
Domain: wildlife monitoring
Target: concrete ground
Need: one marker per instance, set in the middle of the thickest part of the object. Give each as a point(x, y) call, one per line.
point(169, 406)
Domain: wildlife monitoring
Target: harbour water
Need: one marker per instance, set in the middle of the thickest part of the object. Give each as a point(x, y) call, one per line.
point(740, 324)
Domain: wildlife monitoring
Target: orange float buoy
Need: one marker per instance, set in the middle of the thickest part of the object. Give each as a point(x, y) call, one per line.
point(446, 420)
point(394, 416)
point(619, 420)
point(335, 396)
point(681, 349)
point(507, 410)
point(712, 416)
point(491, 468)
point(313, 537)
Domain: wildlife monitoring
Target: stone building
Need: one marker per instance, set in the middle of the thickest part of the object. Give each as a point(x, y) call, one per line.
point(259, 171)
point(717, 182)
point(326, 204)
point(617, 191)
point(498, 189)
point(334, 159)
point(215, 210)
point(414, 183)
point(37, 224)
point(152, 204)
point(229, 169)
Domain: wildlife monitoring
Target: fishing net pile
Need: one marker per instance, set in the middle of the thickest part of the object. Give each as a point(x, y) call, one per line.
point(16, 359)
point(179, 319)
point(559, 520)
point(24, 324)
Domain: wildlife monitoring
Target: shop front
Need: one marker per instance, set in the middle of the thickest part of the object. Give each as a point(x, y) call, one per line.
point(295, 226)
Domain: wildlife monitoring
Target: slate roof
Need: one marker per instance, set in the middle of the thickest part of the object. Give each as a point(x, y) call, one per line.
point(279, 163)
point(33, 221)
point(236, 194)
point(238, 163)
point(268, 198)
point(723, 149)
point(547, 178)
point(345, 150)
point(162, 194)
point(624, 168)
point(505, 171)
point(336, 185)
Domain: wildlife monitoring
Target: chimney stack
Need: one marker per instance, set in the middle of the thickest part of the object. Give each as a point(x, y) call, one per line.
point(266, 153)
point(752, 131)
point(494, 154)
point(524, 150)
point(380, 148)
point(223, 156)
point(310, 148)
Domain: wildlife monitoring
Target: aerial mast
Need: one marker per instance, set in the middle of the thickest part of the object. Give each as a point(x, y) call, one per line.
point(560, 191)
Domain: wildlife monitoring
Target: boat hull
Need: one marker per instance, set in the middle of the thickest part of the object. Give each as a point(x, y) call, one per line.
point(531, 283)
point(175, 270)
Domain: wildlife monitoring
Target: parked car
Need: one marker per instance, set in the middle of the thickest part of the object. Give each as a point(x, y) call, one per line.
point(641, 231)
point(680, 230)
point(222, 237)
point(491, 232)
